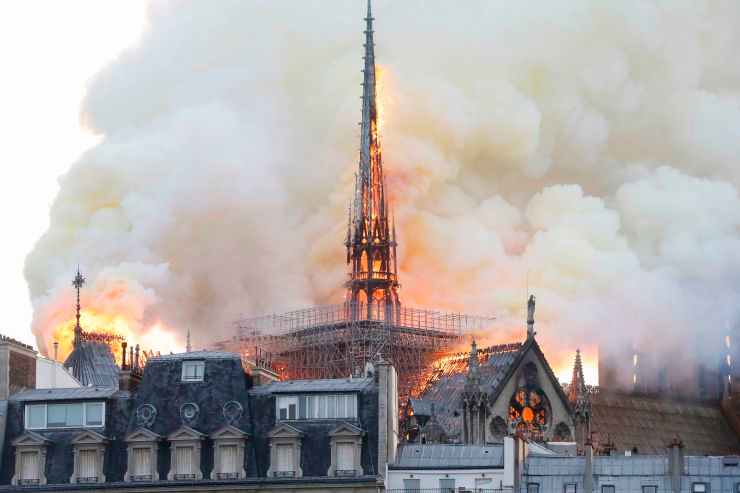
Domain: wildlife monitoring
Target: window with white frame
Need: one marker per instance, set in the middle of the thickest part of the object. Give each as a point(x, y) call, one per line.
point(142, 464)
point(87, 466)
point(30, 468)
point(570, 488)
point(184, 462)
point(699, 488)
point(287, 408)
point(610, 488)
point(285, 467)
point(317, 406)
point(229, 466)
point(648, 488)
point(193, 371)
point(70, 415)
point(345, 458)
point(533, 487)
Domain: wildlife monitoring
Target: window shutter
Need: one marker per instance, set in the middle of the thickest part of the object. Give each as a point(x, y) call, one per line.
point(228, 459)
point(285, 458)
point(345, 457)
point(29, 466)
point(184, 459)
point(87, 467)
point(142, 458)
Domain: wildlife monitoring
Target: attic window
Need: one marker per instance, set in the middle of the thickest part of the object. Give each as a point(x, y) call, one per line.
point(699, 488)
point(193, 371)
point(74, 415)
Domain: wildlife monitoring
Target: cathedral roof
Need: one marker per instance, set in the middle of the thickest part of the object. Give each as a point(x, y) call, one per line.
point(447, 382)
point(94, 364)
point(650, 423)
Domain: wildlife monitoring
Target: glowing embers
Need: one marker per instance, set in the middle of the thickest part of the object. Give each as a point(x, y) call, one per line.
point(529, 412)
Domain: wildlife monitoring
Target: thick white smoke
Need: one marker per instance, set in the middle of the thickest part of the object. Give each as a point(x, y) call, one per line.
point(587, 150)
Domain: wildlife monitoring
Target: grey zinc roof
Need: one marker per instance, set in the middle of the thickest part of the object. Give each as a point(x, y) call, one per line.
point(636, 465)
point(195, 355)
point(442, 456)
point(94, 364)
point(63, 394)
point(320, 385)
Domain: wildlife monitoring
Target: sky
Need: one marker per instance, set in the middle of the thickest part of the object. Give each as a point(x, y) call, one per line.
point(49, 50)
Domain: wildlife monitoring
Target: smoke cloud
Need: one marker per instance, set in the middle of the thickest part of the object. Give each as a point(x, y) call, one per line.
point(586, 151)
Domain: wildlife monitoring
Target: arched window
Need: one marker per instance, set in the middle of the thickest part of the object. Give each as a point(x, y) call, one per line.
point(363, 262)
point(361, 296)
point(529, 408)
point(377, 262)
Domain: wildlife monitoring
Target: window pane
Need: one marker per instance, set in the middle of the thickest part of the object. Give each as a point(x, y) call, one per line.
point(609, 488)
point(74, 414)
point(352, 406)
point(647, 489)
point(291, 411)
point(700, 488)
point(570, 488)
point(331, 404)
point(533, 488)
point(56, 415)
point(36, 416)
point(322, 406)
point(311, 407)
point(447, 485)
point(94, 413)
point(283, 414)
point(302, 407)
point(411, 485)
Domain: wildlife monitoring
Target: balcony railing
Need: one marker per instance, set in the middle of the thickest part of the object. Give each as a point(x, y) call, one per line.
point(141, 477)
point(285, 474)
point(180, 477)
point(227, 475)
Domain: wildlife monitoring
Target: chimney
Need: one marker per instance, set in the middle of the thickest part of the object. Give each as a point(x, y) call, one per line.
point(588, 467)
point(387, 379)
point(128, 377)
point(675, 464)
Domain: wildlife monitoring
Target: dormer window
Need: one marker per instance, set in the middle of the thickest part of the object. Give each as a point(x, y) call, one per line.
point(285, 452)
point(72, 415)
point(319, 406)
point(193, 371)
point(30, 459)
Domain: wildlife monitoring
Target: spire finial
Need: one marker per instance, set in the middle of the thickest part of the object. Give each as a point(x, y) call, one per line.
point(577, 387)
point(78, 282)
point(530, 317)
point(188, 347)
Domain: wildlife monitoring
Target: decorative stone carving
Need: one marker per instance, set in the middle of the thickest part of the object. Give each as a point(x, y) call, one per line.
point(30, 443)
point(346, 435)
point(223, 438)
point(232, 412)
point(185, 438)
point(285, 435)
point(142, 440)
point(88, 441)
point(146, 414)
point(189, 413)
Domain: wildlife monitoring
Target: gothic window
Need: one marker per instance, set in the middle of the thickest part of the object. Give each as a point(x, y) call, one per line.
point(377, 262)
point(562, 433)
point(529, 409)
point(363, 262)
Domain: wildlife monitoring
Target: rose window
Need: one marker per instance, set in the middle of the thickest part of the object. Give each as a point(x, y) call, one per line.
point(529, 412)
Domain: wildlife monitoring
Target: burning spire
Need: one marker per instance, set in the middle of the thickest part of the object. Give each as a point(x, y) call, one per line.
point(371, 241)
point(78, 282)
point(577, 387)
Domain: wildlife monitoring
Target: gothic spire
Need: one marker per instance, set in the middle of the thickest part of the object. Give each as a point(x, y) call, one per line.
point(530, 317)
point(473, 378)
point(188, 347)
point(371, 245)
point(78, 282)
point(577, 387)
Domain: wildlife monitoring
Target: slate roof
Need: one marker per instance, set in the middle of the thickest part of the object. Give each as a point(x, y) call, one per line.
point(651, 423)
point(94, 364)
point(321, 385)
point(447, 381)
point(636, 465)
point(414, 456)
point(77, 393)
